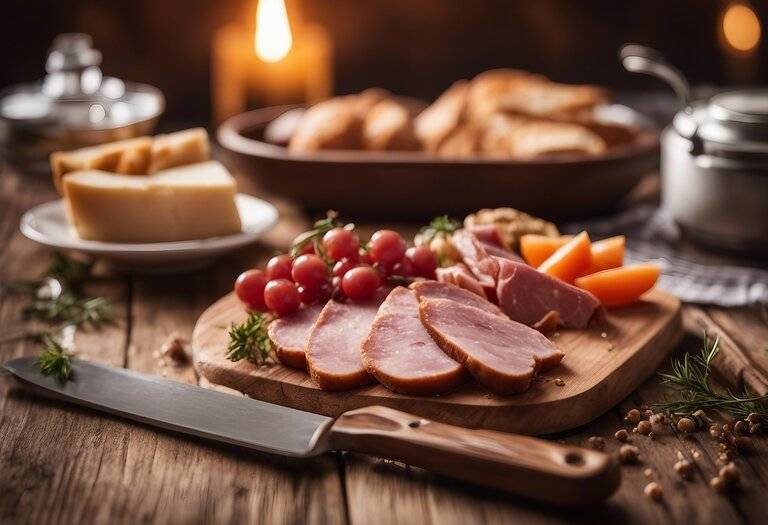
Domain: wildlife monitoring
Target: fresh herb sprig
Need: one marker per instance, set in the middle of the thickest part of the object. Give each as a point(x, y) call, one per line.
point(442, 225)
point(315, 235)
point(249, 340)
point(690, 377)
point(54, 359)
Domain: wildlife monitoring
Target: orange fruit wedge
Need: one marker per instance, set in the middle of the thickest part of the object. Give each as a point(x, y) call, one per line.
point(571, 260)
point(536, 249)
point(606, 254)
point(620, 286)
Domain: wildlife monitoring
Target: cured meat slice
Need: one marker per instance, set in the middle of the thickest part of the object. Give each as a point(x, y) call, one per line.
point(289, 335)
point(501, 354)
point(527, 295)
point(460, 275)
point(483, 266)
point(436, 290)
point(496, 251)
point(399, 352)
point(333, 345)
point(486, 233)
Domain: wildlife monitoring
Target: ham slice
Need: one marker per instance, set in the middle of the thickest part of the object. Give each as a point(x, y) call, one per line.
point(501, 354)
point(484, 267)
point(333, 345)
point(460, 275)
point(526, 295)
point(289, 335)
point(435, 290)
point(399, 352)
point(486, 233)
point(496, 251)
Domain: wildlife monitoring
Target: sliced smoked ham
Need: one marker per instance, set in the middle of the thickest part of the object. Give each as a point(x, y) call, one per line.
point(289, 335)
point(484, 267)
point(527, 295)
point(333, 345)
point(501, 354)
point(496, 251)
point(486, 233)
point(399, 352)
point(460, 275)
point(437, 290)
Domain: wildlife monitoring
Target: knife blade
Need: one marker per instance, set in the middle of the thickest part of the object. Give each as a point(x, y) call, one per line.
point(531, 467)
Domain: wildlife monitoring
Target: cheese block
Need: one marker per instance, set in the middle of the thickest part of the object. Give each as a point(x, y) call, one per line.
point(195, 201)
point(180, 148)
point(129, 156)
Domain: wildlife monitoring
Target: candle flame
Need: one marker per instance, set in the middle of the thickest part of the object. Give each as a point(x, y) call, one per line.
point(741, 27)
point(273, 39)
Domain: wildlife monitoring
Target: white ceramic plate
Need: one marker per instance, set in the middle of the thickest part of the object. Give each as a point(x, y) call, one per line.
point(47, 224)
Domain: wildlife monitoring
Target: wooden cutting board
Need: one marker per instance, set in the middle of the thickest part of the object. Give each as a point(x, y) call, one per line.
point(602, 365)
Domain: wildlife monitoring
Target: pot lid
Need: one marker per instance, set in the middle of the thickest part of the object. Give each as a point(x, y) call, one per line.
point(735, 121)
point(75, 95)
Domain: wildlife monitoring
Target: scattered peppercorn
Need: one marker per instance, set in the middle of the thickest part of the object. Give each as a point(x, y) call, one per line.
point(628, 454)
point(621, 435)
point(644, 427)
point(684, 468)
point(715, 431)
point(717, 483)
point(730, 475)
point(559, 382)
point(653, 490)
point(741, 427)
point(657, 419)
point(633, 416)
point(596, 442)
point(743, 444)
point(755, 428)
point(685, 424)
point(753, 417)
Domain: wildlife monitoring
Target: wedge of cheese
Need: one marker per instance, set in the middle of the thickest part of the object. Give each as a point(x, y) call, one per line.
point(139, 156)
point(195, 201)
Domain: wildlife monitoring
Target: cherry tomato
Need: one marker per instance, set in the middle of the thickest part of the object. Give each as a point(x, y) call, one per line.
point(279, 267)
point(365, 256)
point(343, 266)
point(387, 247)
point(281, 296)
point(318, 295)
point(249, 288)
point(340, 243)
point(309, 271)
point(308, 248)
point(404, 268)
point(360, 282)
point(424, 261)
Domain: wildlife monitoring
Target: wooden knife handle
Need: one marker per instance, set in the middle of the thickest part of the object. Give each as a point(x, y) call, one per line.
point(531, 467)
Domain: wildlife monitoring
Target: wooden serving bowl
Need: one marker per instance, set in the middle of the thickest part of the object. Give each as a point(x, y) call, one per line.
point(418, 185)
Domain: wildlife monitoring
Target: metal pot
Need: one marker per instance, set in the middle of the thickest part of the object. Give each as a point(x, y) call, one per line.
point(73, 106)
point(714, 160)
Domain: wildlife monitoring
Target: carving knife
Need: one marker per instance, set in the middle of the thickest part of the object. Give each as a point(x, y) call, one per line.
point(526, 466)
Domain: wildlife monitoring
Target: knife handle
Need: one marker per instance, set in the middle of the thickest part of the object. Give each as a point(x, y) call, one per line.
point(530, 467)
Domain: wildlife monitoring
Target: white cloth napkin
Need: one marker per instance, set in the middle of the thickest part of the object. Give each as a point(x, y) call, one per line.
point(653, 236)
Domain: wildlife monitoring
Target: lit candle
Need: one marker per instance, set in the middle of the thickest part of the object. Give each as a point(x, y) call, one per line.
point(275, 64)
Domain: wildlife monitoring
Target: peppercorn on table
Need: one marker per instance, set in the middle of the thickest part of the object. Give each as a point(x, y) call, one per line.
point(70, 465)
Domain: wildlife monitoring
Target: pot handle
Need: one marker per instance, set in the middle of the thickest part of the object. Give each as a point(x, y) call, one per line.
point(642, 59)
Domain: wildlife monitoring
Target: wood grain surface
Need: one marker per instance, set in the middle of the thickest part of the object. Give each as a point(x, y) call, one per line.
point(602, 365)
point(60, 464)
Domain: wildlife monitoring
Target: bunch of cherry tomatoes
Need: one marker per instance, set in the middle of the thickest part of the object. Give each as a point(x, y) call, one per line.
point(341, 270)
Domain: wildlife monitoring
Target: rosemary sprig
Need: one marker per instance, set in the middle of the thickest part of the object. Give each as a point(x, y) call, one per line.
point(54, 359)
point(690, 377)
point(68, 309)
point(249, 340)
point(314, 235)
point(438, 226)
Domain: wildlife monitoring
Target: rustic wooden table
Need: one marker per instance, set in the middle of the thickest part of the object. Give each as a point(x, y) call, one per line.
point(60, 464)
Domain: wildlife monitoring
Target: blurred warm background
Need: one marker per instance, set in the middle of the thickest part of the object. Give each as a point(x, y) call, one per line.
point(414, 47)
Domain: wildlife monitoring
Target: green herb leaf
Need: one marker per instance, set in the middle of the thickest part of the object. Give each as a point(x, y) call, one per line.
point(690, 377)
point(442, 225)
point(68, 309)
point(314, 235)
point(249, 340)
point(54, 360)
